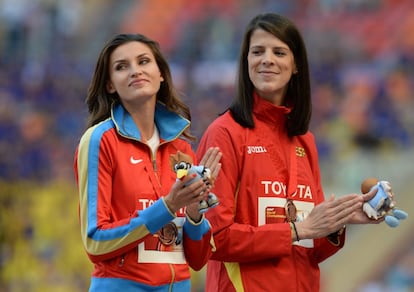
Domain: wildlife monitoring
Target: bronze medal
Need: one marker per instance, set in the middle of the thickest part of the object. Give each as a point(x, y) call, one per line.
point(168, 234)
point(290, 211)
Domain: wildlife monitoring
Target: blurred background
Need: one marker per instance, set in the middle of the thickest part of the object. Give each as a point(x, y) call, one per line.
point(361, 55)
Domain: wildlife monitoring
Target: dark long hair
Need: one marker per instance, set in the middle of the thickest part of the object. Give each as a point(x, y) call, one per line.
point(298, 92)
point(100, 101)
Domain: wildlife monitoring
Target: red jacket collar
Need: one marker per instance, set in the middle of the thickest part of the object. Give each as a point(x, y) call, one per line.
point(265, 110)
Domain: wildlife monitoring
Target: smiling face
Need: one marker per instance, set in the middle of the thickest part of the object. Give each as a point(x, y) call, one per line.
point(271, 65)
point(134, 73)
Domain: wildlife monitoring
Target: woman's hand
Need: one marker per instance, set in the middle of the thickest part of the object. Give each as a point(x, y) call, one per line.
point(211, 160)
point(193, 210)
point(359, 216)
point(330, 216)
point(182, 195)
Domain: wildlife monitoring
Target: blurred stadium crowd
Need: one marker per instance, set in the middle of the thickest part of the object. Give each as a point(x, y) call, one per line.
point(361, 55)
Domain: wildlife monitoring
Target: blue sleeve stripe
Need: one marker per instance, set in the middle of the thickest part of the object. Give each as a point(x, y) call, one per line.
point(94, 142)
point(196, 231)
point(104, 241)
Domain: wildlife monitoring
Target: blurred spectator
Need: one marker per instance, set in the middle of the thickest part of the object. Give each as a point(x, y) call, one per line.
point(394, 119)
point(45, 37)
point(9, 136)
point(32, 157)
point(361, 54)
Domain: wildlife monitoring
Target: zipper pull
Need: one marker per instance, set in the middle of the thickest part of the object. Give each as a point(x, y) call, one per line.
point(121, 262)
point(154, 165)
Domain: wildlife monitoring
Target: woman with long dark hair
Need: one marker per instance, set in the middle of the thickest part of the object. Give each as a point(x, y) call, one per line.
point(141, 227)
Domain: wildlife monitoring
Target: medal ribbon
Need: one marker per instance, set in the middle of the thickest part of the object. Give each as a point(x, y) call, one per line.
point(293, 170)
point(290, 208)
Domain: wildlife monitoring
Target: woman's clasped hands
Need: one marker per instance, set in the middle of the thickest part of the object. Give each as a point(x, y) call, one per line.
point(188, 194)
point(334, 213)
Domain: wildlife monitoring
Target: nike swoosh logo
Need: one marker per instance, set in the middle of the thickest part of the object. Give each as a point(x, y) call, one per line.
point(135, 161)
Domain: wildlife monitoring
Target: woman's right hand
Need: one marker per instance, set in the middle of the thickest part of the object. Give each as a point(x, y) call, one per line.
point(330, 216)
point(182, 195)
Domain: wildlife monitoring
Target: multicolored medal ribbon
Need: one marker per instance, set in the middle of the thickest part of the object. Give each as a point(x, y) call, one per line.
point(290, 211)
point(168, 234)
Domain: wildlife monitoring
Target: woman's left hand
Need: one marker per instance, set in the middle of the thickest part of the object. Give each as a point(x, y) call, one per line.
point(211, 160)
point(359, 216)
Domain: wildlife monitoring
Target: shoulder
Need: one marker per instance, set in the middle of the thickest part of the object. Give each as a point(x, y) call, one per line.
point(225, 133)
point(96, 133)
point(307, 141)
point(307, 138)
point(225, 124)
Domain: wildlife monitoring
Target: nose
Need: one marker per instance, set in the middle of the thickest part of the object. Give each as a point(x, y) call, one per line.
point(267, 58)
point(135, 70)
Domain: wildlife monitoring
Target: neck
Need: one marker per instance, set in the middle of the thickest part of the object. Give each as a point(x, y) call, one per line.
point(275, 100)
point(143, 117)
point(146, 127)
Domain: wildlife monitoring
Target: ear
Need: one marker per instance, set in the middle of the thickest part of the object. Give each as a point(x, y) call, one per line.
point(187, 158)
point(179, 156)
point(173, 160)
point(109, 87)
point(162, 78)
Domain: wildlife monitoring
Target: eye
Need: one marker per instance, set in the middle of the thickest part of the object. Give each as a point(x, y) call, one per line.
point(121, 66)
point(256, 52)
point(281, 51)
point(143, 61)
point(180, 165)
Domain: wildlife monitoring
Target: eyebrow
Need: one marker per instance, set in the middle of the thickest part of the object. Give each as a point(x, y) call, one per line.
point(262, 46)
point(123, 60)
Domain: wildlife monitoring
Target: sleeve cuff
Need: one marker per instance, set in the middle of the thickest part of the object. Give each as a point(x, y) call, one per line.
point(156, 216)
point(166, 207)
point(196, 230)
point(335, 238)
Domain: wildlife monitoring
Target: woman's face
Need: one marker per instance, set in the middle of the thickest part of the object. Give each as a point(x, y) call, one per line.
point(271, 65)
point(134, 73)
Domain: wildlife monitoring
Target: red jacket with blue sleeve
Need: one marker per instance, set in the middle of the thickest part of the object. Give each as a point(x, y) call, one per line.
point(122, 211)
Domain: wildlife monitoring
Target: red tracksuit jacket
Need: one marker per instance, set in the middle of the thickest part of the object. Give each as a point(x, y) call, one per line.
point(121, 189)
point(253, 241)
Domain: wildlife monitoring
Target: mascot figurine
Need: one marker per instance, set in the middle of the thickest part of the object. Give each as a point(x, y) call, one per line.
point(383, 203)
point(182, 165)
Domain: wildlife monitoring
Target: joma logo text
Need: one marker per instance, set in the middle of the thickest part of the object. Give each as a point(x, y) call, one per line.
point(256, 149)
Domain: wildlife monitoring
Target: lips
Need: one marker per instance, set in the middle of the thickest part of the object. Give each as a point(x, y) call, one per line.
point(267, 72)
point(136, 82)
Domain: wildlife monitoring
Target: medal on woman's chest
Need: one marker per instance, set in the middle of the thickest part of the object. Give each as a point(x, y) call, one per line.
point(168, 234)
point(290, 211)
